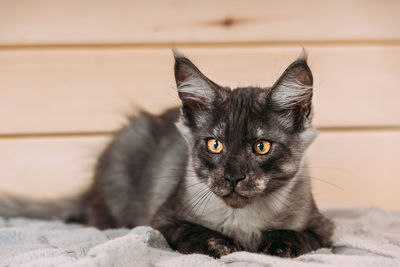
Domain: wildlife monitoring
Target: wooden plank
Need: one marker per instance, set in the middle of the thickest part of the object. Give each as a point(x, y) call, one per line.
point(347, 169)
point(356, 169)
point(48, 167)
point(60, 91)
point(25, 22)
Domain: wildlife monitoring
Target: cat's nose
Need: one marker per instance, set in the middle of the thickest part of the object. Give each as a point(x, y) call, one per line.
point(234, 180)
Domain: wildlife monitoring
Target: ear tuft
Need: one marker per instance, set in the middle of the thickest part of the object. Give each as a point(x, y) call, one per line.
point(303, 56)
point(293, 90)
point(194, 88)
point(183, 68)
point(177, 53)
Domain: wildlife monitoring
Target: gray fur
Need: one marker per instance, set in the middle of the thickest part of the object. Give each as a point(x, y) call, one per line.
point(159, 171)
point(63, 209)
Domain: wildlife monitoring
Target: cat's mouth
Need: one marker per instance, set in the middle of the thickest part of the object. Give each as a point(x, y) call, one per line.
point(236, 200)
point(236, 197)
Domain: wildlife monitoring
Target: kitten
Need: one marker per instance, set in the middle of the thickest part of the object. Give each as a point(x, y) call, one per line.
point(223, 173)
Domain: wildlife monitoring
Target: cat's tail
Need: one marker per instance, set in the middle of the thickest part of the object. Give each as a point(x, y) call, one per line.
point(71, 209)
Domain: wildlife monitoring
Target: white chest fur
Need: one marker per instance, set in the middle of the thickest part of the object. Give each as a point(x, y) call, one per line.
point(244, 225)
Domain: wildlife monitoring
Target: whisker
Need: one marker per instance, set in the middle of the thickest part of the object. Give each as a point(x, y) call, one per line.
point(322, 180)
point(332, 168)
point(194, 205)
point(299, 197)
point(194, 184)
point(210, 195)
point(282, 202)
point(196, 196)
point(292, 203)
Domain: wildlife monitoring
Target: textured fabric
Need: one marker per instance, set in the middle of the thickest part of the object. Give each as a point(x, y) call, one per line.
point(363, 237)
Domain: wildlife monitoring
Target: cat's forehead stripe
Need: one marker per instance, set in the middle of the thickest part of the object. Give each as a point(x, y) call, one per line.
point(218, 130)
point(259, 132)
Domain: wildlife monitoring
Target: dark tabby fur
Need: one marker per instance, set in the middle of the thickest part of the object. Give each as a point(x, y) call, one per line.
point(159, 171)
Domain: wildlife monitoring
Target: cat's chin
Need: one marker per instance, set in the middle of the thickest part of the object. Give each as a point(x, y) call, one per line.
point(235, 200)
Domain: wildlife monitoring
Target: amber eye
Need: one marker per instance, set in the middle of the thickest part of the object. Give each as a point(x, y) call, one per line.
point(214, 145)
point(262, 147)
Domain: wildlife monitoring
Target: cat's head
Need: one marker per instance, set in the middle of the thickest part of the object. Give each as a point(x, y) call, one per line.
point(246, 142)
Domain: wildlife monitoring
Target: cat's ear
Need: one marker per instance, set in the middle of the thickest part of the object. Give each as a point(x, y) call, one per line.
point(195, 90)
point(294, 89)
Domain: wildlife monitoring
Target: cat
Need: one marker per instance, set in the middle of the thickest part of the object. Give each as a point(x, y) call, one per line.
point(222, 173)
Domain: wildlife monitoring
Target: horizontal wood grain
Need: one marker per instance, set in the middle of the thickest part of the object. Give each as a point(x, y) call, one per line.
point(67, 91)
point(178, 21)
point(347, 169)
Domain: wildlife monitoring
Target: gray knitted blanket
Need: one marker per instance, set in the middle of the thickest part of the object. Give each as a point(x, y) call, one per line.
point(363, 237)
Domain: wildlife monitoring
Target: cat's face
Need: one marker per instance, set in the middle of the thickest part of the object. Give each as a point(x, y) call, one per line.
point(249, 141)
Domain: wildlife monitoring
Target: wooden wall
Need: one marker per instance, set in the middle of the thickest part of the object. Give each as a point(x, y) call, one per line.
point(71, 70)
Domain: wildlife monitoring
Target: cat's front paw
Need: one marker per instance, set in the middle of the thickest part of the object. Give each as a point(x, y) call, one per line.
point(283, 243)
point(217, 247)
point(281, 249)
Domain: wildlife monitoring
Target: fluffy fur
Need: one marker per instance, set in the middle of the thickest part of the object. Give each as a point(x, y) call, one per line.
point(159, 171)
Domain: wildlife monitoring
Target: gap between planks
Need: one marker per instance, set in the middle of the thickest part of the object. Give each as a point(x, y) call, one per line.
point(353, 129)
point(158, 45)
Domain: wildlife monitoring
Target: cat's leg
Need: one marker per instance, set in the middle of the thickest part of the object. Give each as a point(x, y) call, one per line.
point(288, 243)
point(190, 238)
point(97, 212)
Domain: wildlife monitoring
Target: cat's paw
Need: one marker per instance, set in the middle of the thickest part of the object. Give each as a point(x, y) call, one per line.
point(217, 247)
point(281, 249)
point(283, 243)
point(189, 238)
